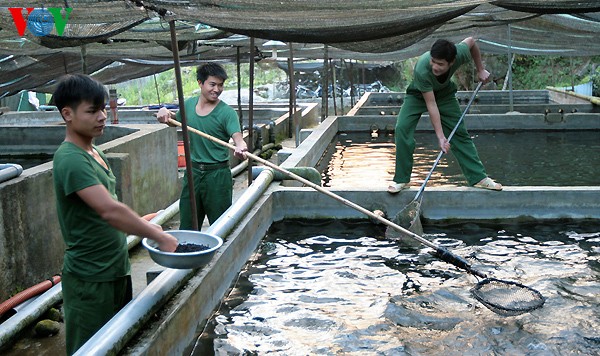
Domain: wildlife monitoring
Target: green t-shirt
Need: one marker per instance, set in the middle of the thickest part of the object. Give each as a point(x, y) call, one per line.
point(425, 81)
point(221, 123)
point(96, 251)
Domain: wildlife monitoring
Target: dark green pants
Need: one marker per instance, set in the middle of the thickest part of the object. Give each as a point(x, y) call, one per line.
point(87, 306)
point(214, 192)
point(461, 144)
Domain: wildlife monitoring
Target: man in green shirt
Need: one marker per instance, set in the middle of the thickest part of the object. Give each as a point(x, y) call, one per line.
point(210, 161)
point(96, 281)
point(432, 90)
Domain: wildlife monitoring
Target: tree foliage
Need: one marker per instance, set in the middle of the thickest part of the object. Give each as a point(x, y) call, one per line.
point(528, 72)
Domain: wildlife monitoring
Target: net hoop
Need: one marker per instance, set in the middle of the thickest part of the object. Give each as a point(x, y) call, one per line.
point(507, 298)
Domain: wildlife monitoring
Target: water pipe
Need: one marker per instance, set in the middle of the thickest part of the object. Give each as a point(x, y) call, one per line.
point(9, 171)
point(244, 164)
point(309, 173)
point(592, 99)
point(29, 314)
point(160, 218)
point(28, 293)
point(114, 335)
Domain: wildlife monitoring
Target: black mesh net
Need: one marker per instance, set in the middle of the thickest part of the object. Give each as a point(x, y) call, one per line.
point(507, 298)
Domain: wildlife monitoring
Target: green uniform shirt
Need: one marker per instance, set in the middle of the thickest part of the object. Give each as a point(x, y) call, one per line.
point(425, 81)
point(96, 251)
point(221, 123)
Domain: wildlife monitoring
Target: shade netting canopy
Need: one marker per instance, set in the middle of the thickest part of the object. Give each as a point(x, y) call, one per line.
point(120, 40)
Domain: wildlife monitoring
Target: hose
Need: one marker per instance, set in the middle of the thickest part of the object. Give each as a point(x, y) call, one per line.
point(28, 293)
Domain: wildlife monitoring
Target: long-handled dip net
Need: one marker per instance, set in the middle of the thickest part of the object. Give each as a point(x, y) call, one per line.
point(410, 215)
point(502, 297)
point(507, 298)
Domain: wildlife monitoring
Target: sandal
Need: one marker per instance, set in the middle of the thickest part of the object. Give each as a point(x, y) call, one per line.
point(488, 183)
point(394, 187)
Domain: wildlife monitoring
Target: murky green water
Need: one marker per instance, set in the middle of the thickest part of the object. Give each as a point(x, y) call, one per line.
point(540, 158)
point(339, 288)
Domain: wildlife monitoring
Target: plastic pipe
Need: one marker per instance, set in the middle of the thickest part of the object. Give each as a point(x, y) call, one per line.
point(592, 99)
point(309, 173)
point(9, 171)
point(114, 335)
point(160, 218)
point(27, 294)
point(29, 314)
point(244, 164)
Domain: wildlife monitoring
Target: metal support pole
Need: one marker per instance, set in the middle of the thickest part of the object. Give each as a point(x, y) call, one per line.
point(510, 87)
point(342, 64)
point(572, 73)
point(364, 84)
point(156, 87)
point(334, 86)
point(251, 109)
point(292, 86)
point(239, 88)
point(353, 93)
point(184, 128)
point(325, 85)
point(84, 59)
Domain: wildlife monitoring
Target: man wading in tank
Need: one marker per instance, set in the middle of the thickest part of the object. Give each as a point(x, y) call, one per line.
point(432, 90)
point(210, 161)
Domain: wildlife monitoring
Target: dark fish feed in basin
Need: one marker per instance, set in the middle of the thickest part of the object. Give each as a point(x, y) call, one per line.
point(189, 247)
point(195, 249)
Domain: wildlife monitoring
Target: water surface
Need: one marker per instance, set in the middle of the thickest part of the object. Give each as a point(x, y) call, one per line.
point(337, 287)
point(533, 158)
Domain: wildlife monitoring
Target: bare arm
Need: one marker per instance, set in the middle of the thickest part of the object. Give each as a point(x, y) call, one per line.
point(482, 74)
point(123, 218)
point(163, 115)
point(436, 120)
point(240, 145)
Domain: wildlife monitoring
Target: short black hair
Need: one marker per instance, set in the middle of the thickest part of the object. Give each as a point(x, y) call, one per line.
point(72, 89)
point(206, 70)
point(443, 49)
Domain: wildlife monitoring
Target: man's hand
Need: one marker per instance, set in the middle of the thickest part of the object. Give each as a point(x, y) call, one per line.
point(444, 144)
point(167, 243)
point(240, 146)
point(163, 115)
point(484, 76)
point(240, 152)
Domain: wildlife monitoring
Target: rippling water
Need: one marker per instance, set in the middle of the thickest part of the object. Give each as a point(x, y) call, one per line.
point(565, 158)
point(339, 288)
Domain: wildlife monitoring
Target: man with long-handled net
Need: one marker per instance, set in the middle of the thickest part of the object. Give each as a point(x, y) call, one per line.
point(432, 90)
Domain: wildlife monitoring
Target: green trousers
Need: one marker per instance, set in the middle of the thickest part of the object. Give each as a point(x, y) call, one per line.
point(214, 193)
point(461, 144)
point(87, 306)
